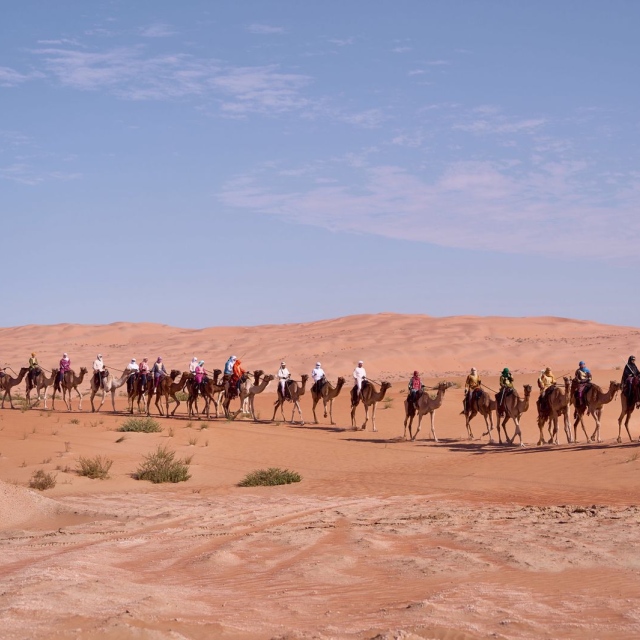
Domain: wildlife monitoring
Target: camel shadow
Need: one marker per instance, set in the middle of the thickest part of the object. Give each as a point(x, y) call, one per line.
point(322, 427)
point(385, 441)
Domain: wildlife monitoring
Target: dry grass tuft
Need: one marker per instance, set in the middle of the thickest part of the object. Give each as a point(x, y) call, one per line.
point(95, 468)
point(269, 478)
point(162, 466)
point(42, 480)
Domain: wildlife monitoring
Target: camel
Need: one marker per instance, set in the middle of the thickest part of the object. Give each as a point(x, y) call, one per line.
point(480, 403)
point(167, 388)
point(136, 393)
point(595, 398)
point(512, 408)
point(7, 383)
point(558, 400)
point(295, 392)
point(41, 382)
point(425, 404)
point(370, 397)
point(108, 384)
point(327, 395)
point(70, 382)
point(249, 391)
point(210, 388)
point(628, 407)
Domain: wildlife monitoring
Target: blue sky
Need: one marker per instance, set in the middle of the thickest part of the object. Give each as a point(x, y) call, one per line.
point(210, 163)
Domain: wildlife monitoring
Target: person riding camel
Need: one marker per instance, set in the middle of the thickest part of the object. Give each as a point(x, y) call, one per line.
point(359, 375)
point(65, 365)
point(283, 375)
point(193, 365)
point(415, 386)
point(238, 375)
point(159, 371)
point(228, 366)
point(134, 369)
point(546, 382)
point(630, 380)
point(471, 385)
point(506, 386)
point(582, 382)
point(34, 369)
point(144, 373)
point(199, 375)
point(319, 378)
point(98, 370)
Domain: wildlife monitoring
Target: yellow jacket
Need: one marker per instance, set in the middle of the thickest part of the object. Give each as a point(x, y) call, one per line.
point(546, 380)
point(472, 382)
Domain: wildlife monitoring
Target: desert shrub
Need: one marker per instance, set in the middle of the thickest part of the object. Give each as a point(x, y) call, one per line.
point(144, 425)
point(162, 466)
point(269, 477)
point(42, 480)
point(95, 468)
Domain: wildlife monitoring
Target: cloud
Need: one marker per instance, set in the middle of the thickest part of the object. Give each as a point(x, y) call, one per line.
point(130, 73)
point(477, 205)
point(342, 42)
point(368, 119)
point(403, 49)
point(265, 29)
point(26, 174)
point(501, 125)
point(11, 78)
point(157, 30)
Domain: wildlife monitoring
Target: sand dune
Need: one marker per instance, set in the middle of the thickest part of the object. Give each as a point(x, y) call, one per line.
point(392, 345)
point(383, 537)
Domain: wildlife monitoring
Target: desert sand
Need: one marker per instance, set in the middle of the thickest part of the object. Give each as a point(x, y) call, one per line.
point(382, 537)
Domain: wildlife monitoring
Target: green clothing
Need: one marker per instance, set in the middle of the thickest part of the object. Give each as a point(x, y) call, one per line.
point(506, 382)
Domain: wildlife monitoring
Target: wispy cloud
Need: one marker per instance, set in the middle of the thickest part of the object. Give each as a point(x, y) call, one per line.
point(29, 175)
point(266, 29)
point(403, 49)
point(342, 42)
point(157, 30)
point(480, 205)
point(131, 73)
point(11, 78)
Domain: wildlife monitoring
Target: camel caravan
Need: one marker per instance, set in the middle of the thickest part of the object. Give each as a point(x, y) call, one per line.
point(205, 391)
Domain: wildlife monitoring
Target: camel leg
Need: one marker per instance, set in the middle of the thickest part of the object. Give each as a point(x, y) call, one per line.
point(174, 408)
point(567, 425)
point(407, 420)
point(597, 414)
point(468, 418)
point(313, 409)
point(433, 430)
point(366, 416)
point(517, 432)
point(353, 416)
point(113, 400)
point(373, 416)
point(488, 421)
point(418, 427)
point(331, 412)
point(626, 424)
point(541, 424)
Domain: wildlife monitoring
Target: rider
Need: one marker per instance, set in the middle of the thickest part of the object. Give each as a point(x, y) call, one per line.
point(65, 365)
point(472, 383)
point(359, 375)
point(98, 369)
point(199, 374)
point(506, 385)
point(318, 377)
point(415, 385)
point(228, 366)
point(283, 375)
point(582, 379)
point(159, 371)
point(238, 374)
point(144, 372)
point(545, 382)
point(193, 365)
point(34, 368)
point(134, 369)
point(630, 372)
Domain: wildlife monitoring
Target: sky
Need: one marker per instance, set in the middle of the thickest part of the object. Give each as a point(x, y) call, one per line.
point(240, 163)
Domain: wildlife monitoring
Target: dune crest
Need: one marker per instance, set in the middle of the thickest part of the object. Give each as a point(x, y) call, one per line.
point(391, 344)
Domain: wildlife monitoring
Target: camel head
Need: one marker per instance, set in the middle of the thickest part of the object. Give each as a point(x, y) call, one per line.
point(304, 377)
point(341, 381)
point(174, 373)
point(84, 371)
point(527, 390)
point(386, 385)
point(270, 377)
point(614, 387)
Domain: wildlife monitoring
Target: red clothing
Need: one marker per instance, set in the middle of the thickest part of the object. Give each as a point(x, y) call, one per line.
point(238, 371)
point(415, 384)
point(199, 374)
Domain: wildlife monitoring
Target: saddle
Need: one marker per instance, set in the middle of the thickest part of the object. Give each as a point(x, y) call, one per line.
point(318, 386)
point(287, 390)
